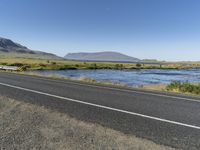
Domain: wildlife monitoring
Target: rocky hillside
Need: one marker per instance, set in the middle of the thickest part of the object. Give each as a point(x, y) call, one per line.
point(8, 48)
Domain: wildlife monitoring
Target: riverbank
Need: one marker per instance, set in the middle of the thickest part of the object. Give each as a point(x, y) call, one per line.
point(39, 64)
point(175, 86)
point(155, 87)
point(28, 126)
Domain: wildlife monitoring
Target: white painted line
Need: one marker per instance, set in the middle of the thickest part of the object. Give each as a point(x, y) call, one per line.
point(140, 92)
point(104, 107)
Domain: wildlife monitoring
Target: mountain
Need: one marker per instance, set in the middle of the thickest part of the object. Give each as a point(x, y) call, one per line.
point(8, 48)
point(8, 45)
point(101, 56)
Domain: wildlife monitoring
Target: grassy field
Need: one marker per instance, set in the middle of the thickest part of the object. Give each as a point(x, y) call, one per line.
point(49, 64)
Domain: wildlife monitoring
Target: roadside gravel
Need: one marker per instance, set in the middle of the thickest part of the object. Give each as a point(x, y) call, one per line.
point(27, 126)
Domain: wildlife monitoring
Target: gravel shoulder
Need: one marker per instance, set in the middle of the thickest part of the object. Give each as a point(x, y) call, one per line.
point(28, 126)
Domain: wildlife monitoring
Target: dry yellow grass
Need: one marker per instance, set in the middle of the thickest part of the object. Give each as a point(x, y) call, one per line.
point(157, 87)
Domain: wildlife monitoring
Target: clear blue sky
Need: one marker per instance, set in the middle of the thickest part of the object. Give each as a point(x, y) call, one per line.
point(160, 29)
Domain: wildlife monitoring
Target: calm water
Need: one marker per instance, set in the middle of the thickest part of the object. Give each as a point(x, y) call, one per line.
point(131, 77)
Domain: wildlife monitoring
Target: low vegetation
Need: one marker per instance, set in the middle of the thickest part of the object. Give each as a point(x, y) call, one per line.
point(49, 64)
point(154, 87)
point(184, 87)
point(176, 86)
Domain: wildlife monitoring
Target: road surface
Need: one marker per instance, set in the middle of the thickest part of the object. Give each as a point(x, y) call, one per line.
point(165, 118)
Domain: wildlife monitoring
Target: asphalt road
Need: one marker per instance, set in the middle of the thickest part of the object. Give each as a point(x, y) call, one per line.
point(165, 118)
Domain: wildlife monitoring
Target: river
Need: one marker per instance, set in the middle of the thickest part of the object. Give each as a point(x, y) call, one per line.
point(131, 77)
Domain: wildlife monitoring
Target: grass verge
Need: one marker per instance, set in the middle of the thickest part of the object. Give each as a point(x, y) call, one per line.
point(184, 87)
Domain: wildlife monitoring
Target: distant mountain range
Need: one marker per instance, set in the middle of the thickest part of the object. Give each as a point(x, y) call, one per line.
point(101, 56)
point(12, 49)
point(7, 45)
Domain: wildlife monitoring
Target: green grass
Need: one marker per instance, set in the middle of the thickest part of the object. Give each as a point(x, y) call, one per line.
point(184, 87)
point(49, 64)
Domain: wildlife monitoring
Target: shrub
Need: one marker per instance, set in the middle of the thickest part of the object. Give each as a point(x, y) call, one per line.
point(53, 63)
point(4, 64)
point(23, 68)
point(138, 65)
point(77, 65)
point(119, 66)
point(93, 66)
point(184, 87)
point(70, 67)
point(17, 64)
point(42, 65)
